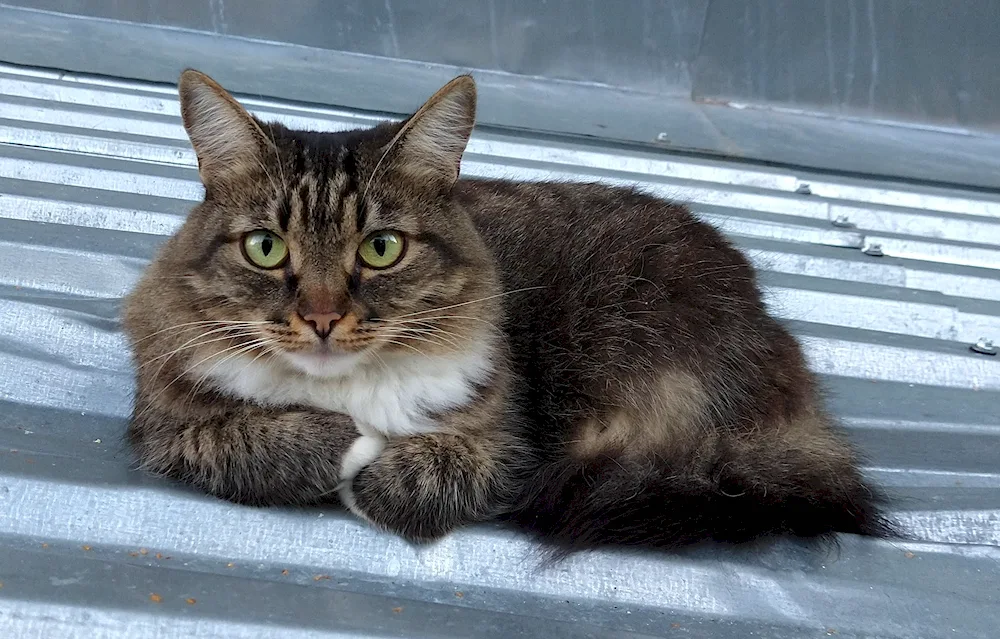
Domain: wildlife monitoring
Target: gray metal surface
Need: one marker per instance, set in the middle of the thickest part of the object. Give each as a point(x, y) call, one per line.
point(886, 87)
point(94, 174)
point(932, 62)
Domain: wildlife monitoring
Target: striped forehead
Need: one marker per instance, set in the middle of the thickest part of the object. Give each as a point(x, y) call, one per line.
point(322, 202)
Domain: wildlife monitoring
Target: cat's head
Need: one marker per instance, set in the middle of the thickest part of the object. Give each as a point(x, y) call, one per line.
point(326, 250)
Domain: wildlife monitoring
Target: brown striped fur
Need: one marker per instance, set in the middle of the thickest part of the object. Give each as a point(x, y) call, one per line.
point(638, 393)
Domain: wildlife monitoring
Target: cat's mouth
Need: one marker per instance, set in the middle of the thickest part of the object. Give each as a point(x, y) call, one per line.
point(324, 360)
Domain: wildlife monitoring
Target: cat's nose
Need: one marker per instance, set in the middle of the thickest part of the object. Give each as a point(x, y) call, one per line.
point(322, 323)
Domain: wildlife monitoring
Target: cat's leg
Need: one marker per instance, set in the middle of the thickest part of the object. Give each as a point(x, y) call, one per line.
point(244, 453)
point(424, 486)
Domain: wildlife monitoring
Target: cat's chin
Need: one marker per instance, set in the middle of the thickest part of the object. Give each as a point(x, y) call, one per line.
point(325, 363)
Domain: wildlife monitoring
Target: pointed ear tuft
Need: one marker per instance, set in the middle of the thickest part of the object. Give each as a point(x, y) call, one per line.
point(225, 137)
point(431, 142)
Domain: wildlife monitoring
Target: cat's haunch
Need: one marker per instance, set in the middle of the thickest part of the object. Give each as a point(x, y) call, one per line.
point(344, 317)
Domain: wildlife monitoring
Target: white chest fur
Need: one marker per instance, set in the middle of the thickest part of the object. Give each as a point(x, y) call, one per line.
point(393, 397)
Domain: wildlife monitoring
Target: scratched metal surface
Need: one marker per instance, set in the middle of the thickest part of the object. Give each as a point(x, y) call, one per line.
point(94, 174)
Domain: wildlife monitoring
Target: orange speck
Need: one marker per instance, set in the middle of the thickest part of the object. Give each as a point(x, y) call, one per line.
point(909, 555)
point(155, 598)
point(45, 545)
point(191, 601)
point(143, 551)
point(133, 554)
point(396, 611)
point(285, 571)
point(230, 565)
point(159, 555)
point(321, 577)
point(85, 547)
point(675, 625)
point(459, 594)
point(1, 584)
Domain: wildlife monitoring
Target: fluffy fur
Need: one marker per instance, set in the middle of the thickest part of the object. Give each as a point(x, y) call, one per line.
point(592, 363)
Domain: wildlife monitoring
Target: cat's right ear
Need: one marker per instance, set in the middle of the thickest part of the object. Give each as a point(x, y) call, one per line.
point(226, 139)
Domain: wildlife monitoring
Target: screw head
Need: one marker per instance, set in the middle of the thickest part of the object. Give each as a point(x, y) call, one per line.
point(842, 221)
point(984, 346)
point(803, 189)
point(874, 249)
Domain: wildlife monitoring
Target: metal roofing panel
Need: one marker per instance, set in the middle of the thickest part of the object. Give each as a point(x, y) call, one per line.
point(94, 174)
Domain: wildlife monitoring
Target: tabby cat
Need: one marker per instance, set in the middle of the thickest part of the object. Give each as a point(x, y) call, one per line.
point(344, 317)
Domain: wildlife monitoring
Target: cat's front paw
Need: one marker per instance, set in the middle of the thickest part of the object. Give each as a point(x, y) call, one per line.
point(362, 452)
point(423, 487)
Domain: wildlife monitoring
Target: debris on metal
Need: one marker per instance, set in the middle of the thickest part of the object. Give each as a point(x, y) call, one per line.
point(984, 346)
point(843, 222)
point(874, 249)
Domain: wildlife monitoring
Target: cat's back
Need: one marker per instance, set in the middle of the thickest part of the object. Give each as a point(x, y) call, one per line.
point(571, 235)
point(608, 286)
point(511, 214)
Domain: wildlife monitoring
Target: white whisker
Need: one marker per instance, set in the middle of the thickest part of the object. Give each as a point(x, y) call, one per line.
point(482, 299)
point(200, 323)
point(191, 342)
point(403, 336)
point(266, 347)
point(249, 346)
point(412, 348)
point(428, 320)
point(424, 335)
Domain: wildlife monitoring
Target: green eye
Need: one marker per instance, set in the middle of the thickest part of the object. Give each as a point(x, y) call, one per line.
point(265, 249)
point(382, 249)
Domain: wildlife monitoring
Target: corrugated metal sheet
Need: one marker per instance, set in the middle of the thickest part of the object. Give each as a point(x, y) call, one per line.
point(94, 173)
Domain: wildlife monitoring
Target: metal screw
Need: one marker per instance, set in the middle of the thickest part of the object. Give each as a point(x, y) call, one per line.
point(662, 137)
point(841, 221)
point(875, 250)
point(803, 189)
point(984, 347)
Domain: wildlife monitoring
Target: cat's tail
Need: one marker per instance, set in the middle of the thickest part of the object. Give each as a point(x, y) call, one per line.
point(662, 502)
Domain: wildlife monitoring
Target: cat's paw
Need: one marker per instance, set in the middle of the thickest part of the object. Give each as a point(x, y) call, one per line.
point(362, 453)
point(423, 487)
point(401, 508)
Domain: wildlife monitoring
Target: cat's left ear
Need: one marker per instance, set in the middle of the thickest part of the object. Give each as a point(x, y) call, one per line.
point(431, 142)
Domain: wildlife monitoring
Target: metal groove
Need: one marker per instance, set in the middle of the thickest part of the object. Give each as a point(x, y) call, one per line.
point(95, 173)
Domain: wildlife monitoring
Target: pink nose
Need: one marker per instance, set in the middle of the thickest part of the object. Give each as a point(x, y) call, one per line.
point(322, 323)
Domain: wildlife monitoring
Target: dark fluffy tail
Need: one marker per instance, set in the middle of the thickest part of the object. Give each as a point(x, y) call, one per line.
point(578, 505)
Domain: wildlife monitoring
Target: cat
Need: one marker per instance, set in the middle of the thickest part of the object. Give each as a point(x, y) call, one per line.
point(344, 318)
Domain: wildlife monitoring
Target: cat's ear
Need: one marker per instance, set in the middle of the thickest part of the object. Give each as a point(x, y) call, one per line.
point(432, 141)
point(226, 139)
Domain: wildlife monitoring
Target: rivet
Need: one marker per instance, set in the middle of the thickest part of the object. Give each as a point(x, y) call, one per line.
point(875, 250)
point(984, 346)
point(841, 221)
point(803, 189)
